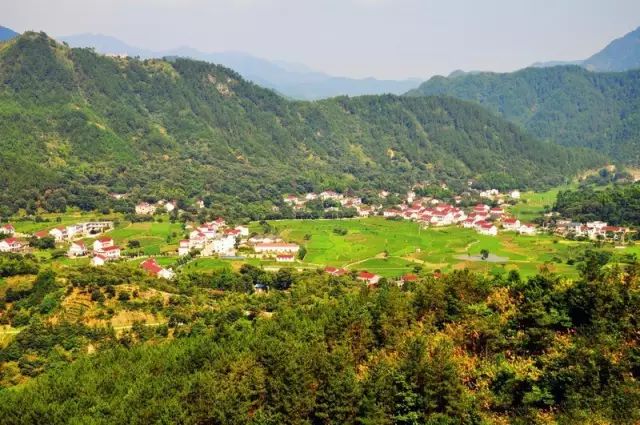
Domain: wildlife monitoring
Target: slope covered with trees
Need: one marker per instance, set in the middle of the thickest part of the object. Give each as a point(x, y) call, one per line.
point(461, 349)
point(618, 205)
point(568, 104)
point(75, 125)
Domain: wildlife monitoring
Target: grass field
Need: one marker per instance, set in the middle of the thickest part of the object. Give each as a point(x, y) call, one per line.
point(391, 248)
point(532, 204)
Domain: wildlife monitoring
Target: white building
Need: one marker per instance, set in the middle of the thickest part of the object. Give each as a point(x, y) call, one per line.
point(276, 248)
point(184, 248)
point(77, 249)
point(98, 260)
point(99, 245)
point(10, 245)
point(7, 229)
point(59, 234)
point(527, 229)
point(145, 208)
point(285, 258)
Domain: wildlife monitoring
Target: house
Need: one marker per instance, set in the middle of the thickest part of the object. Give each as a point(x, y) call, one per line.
point(10, 245)
point(285, 258)
point(154, 269)
point(496, 212)
point(7, 229)
point(515, 194)
point(391, 213)
point(59, 233)
point(224, 245)
point(330, 194)
point(170, 206)
point(481, 208)
point(333, 271)
point(527, 229)
point(41, 234)
point(369, 278)
point(510, 224)
point(98, 260)
point(276, 248)
point(111, 252)
point(184, 247)
point(90, 228)
point(232, 232)
point(311, 196)
point(197, 240)
point(99, 245)
point(486, 228)
point(77, 249)
point(144, 208)
point(408, 278)
point(244, 230)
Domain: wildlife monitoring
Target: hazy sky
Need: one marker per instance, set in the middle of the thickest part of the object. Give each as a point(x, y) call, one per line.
point(381, 38)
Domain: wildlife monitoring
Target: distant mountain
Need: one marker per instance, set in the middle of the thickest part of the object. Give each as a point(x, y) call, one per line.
point(7, 34)
point(76, 125)
point(568, 105)
point(621, 54)
point(291, 80)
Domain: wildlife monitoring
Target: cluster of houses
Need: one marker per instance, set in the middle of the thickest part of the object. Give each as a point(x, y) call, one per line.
point(482, 218)
point(299, 203)
point(213, 238)
point(145, 208)
point(60, 234)
point(594, 230)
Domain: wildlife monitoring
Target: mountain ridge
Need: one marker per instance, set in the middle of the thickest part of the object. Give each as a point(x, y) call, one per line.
point(292, 80)
point(566, 104)
point(78, 125)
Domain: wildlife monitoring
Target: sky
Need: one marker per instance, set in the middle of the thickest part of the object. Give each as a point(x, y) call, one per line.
point(391, 39)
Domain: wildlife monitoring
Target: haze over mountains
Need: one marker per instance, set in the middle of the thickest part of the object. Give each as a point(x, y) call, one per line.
point(291, 80)
point(621, 54)
point(7, 33)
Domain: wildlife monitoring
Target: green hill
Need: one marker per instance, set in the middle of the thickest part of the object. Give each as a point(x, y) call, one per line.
point(568, 105)
point(75, 125)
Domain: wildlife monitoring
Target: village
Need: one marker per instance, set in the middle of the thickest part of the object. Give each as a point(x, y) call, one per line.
point(489, 216)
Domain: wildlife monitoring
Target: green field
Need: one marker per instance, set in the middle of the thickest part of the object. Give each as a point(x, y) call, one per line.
point(391, 248)
point(533, 204)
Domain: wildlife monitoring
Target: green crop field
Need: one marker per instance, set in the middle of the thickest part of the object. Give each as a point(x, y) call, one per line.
point(391, 248)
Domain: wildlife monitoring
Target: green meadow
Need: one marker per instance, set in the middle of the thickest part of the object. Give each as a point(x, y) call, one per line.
point(391, 248)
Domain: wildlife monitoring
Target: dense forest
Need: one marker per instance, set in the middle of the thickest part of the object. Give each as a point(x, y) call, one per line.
point(75, 125)
point(617, 205)
point(316, 349)
point(566, 104)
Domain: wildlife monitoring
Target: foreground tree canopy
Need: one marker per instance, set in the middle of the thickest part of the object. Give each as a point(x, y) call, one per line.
point(461, 349)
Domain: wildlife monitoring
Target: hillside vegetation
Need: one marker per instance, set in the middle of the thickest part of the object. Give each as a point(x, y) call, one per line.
point(461, 349)
point(568, 105)
point(75, 125)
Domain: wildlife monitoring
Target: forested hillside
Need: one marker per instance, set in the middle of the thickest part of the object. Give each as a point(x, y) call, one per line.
point(75, 125)
point(567, 105)
point(618, 205)
point(461, 349)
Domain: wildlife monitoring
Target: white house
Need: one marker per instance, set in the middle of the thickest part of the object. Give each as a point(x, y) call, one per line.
point(112, 253)
point(244, 230)
point(510, 224)
point(145, 208)
point(10, 245)
point(486, 228)
point(170, 206)
point(285, 258)
point(184, 248)
point(7, 229)
point(99, 245)
point(59, 233)
point(154, 269)
point(77, 249)
point(527, 229)
point(515, 194)
point(224, 245)
point(368, 278)
point(276, 248)
point(98, 260)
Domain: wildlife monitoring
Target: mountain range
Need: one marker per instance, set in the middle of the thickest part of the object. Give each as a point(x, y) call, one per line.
point(568, 105)
point(621, 54)
point(7, 34)
point(291, 80)
point(77, 125)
